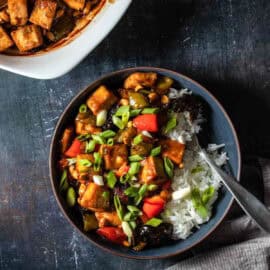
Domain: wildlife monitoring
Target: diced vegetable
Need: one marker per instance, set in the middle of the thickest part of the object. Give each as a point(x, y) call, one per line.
point(153, 206)
point(126, 229)
point(89, 222)
point(155, 151)
point(71, 197)
point(107, 219)
point(90, 146)
point(122, 170)
point(114, 234)
point(171, 124)
point(134, 168)
point(154, 222)
point(118, 122)
point(135, 158)
point(98, 179)
point(118, 207)
point(142, 149)
point(137, 100)
point(163, 85)
point(107, 134)
point(148, 122)
point(150, 110)
point(101, 118)
point(111, 179)
point(63, 186)
point(97, 161)
point(168, 165)
point(75, 149)
point(127, 135)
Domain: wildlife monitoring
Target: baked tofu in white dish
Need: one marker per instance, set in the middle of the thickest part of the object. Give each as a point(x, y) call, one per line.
point(39, 40)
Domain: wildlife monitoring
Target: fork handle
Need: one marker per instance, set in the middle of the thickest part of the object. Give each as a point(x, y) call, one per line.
point(249, 203)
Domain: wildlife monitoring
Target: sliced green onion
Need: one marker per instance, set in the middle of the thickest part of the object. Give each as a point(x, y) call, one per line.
point(145, 91)
point(133, 224)
point(111, 179)
point(133, 208)
point(168, 165)
point(134, 168)
point(135, 112)
point(171, 124)
point(71, 197)
point(138, 139)
point(106, 195)
point(63, 186)
point(101, 118)
point(154, 222)
point(126, 229)
point(135, 158)
point(152, 187)
point(118, 207)
point(150, 110)
point(128, 216)
point(118, 122)
point(125, 178)
point(121, 110)
point(98, 139)
point(98, 161)
point(143, 189)
point(131, 191)
point(83, 108)
point(197, 169)
point(85, 162)
point(125, 118)
point(90, 146)
point(208, 194)
point(198, 204)
point(71, 161)
point(155, 151)
point(110, 141)
point(83, 137)
point(107, 134)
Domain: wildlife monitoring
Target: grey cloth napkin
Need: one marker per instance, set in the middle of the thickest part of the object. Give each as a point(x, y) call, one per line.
point(237, 243)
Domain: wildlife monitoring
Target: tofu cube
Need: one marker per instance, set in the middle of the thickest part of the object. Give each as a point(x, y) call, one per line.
point(5, 40)
point(43, 13)
point(174, 150)
point(91, 197)
point(18, 12)
point(152, 171)
point(114, 156)
point(101, 99)
point(27, 37)
point(75, 4)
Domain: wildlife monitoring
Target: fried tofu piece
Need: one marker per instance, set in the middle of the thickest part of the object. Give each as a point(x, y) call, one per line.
point(85, 123)
point(18, 12)
point(27, 37)
point(153, 171)
point(43, 13)
point(140, 80)
point(91, 197)
point(114, 156)
point(107, 219)
point(81, 161)
point(75, 4)
point(5, 40)
point(101, 99)
point(174, 150)
point(4, 17)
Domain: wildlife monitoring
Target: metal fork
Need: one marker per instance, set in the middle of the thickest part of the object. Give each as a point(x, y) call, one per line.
point(248, 202)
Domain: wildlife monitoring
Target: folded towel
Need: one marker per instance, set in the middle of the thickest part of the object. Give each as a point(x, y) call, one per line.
point(237, 243)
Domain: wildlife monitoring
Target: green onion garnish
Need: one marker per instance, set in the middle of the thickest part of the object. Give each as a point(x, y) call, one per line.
point(150, 110)
point(118, 122)
point(131, 191)
point(122, 110)
point(125, 118)
point(71, 161)
point(97, 162)
point(90, 146)
point(85, 162)
point(71, 197)
point(168, 165)
point(101, 118)
point(83, 108)
point(171, 124)
point(134, 168)
point(118, 207)
point(107, 134)
point(110, 141)
point(154, 222)
point(83, 137)
point(106, 194)
point(152, 187)
point(111, 179)
point(155, 151)
point(98, 139)
point(135, 112)
point(63, 182)
point(138, 139)
point(132, 208)
point(126, 229)
point(135, 158)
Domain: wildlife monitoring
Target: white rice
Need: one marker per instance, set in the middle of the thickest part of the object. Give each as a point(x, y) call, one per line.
point(180, 211)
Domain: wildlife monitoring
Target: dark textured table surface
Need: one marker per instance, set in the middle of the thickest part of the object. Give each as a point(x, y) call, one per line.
point(223, 44)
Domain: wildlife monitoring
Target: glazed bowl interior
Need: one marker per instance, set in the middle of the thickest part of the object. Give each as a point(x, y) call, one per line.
point(220, 130)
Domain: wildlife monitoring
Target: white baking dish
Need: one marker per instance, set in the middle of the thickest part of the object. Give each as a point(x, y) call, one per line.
point(57, 62)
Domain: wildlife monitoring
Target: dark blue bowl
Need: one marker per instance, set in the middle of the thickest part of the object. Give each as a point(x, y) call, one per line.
point(221, 131)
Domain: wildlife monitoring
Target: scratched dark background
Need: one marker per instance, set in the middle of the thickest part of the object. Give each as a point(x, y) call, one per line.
point(223, 44)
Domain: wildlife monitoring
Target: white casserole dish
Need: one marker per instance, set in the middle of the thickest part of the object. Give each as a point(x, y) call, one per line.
point(58, 62)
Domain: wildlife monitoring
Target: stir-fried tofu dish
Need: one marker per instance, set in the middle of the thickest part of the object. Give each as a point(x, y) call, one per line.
point(28, 26)
point(127, 165)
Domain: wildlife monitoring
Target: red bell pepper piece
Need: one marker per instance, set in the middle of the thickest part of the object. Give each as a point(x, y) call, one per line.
point(153, 206)
point(148, 122)
point(74, 149)
point(114, 234)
